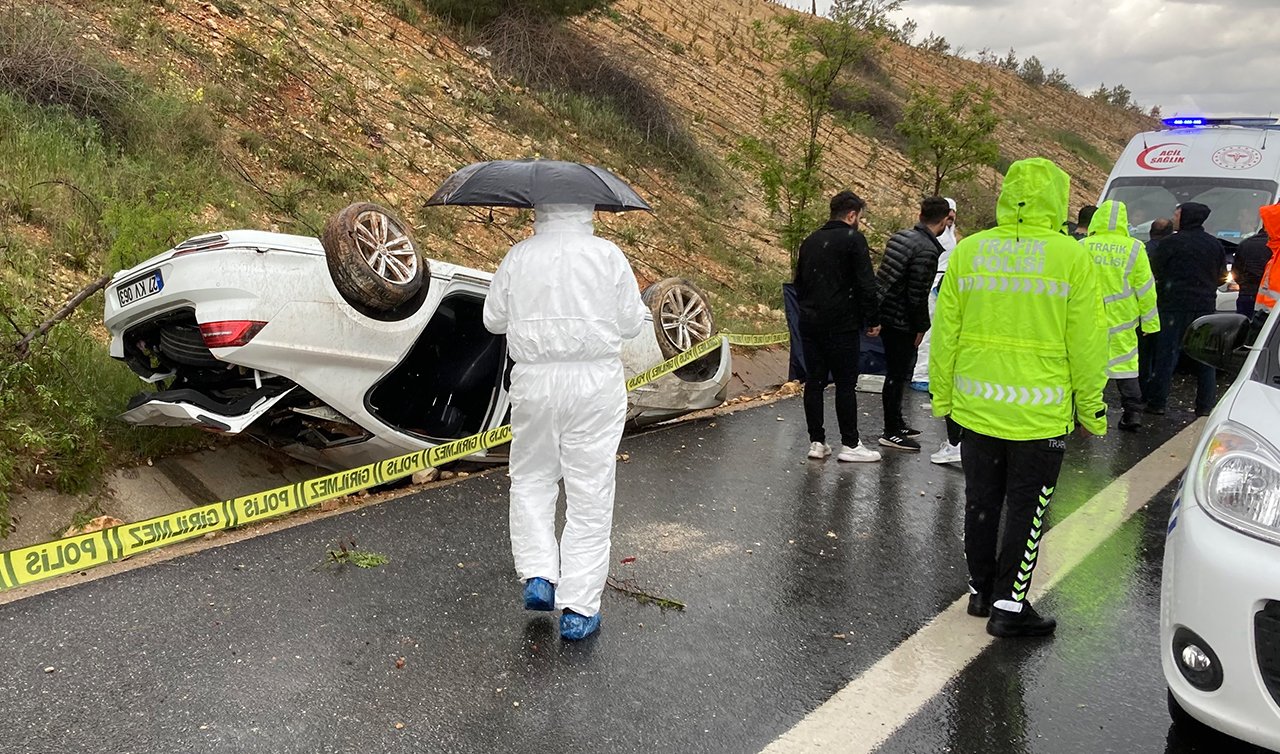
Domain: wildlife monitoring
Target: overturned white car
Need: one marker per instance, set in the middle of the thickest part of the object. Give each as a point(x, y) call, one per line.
point(353, 348)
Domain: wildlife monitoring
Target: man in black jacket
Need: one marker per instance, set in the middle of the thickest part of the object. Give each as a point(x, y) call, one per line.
point(836, 289)
point(906, 274)
point(1161, 228)
point(1188, 266)
point(1250, 263)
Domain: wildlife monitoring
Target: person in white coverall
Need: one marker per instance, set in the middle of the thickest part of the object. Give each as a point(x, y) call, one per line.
point(566, 300)
point(949, 452)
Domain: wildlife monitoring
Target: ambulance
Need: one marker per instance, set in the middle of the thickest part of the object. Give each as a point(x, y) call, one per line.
point(1223, 163)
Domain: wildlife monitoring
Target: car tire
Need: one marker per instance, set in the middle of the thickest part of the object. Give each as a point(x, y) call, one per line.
point(184, 345)
point(372, 259)
point(682, 318)
point(681, 315)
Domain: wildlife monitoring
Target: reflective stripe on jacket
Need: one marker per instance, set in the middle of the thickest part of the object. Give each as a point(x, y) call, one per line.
point(1269, 289)
point(1017, 351)
point(1128, 290)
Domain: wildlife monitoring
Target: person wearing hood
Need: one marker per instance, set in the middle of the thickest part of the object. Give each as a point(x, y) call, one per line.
point(1018, 361)
point(566, 300)
point(1251, 258)
point(1189, 266)
point(1269, 285)
point(1129, 299)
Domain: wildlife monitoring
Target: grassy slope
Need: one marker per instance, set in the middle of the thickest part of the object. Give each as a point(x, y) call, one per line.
point(298, 107)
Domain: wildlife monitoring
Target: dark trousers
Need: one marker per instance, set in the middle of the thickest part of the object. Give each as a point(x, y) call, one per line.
point(1146, 362)
point(1130, 393)
point(1246, 303)
point(900, 357)
point(953, 430)
point(1017, 477)
point(1173, 326)
point(834, 353)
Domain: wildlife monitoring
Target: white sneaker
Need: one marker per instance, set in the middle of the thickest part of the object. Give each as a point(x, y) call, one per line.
point(858, 454)
point(948, 453)
point(819, 450)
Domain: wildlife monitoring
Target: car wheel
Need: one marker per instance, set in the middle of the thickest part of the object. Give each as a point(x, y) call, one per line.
point(682, 319)
point(372, 259)
point(681, 315)
point(183, 344)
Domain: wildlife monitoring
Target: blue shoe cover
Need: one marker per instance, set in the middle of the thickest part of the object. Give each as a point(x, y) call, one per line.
point(574, 627)
point(921, 386)
point(539, 594)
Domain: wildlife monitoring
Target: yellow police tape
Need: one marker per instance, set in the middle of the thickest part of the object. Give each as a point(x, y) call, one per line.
point(27, 565)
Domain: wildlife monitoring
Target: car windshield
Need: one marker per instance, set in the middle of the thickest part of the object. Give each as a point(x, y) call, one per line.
point(1234, 202)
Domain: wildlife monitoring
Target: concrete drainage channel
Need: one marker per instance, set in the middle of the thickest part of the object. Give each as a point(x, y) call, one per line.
point(241, 467)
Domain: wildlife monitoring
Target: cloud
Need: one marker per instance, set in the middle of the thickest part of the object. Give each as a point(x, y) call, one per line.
point(1184, 55)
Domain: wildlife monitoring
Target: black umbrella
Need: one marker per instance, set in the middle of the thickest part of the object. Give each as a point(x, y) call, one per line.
point(528, 183)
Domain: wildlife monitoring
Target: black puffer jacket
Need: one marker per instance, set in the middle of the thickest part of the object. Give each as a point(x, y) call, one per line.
point(906, 274)
point(1251, 262)
point(835, 283)
point(1189, 265)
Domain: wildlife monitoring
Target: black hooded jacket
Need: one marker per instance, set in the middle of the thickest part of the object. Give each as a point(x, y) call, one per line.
point(835, 283)
point(1189, 265)
point(1250, 263)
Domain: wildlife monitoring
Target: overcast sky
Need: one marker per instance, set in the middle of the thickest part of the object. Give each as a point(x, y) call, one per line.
point(1215, 57)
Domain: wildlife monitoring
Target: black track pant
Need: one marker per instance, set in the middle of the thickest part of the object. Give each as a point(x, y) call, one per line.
point(1018, 477)
point(900, 357)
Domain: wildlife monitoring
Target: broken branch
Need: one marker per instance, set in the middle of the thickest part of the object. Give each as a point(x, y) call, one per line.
point(642, 596)
point(23, 346)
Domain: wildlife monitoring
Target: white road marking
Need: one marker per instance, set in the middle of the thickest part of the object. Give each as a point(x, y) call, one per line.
point(863, 714)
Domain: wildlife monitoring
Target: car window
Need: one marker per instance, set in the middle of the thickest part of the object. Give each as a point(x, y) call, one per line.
point(1268, 369)
point(1234, 202)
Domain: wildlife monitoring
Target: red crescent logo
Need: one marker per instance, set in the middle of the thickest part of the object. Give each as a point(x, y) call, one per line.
point(1162, 156)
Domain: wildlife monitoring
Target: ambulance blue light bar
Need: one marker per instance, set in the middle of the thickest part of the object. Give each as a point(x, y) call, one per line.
point(1200, 121)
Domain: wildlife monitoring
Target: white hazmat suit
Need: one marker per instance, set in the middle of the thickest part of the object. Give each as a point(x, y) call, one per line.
point(948, 242)
point(566, 300)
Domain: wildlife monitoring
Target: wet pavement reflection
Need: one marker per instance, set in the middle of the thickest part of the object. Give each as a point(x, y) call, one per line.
point(798, 576)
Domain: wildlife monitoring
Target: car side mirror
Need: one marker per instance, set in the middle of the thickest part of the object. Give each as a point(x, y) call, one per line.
point(1218, 340)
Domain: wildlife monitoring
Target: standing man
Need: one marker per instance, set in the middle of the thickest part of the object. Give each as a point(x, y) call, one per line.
point(1269, 286)
point(1128, 298)
point(1018, 360)
point(566, 300)
point(904, 280)
point(1189, 266)
point(836, 288)
point(1161, 228)
point(947, 239)
point(1252, 256)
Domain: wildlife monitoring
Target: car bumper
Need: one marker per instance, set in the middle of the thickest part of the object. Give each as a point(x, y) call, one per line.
point(1216, 581)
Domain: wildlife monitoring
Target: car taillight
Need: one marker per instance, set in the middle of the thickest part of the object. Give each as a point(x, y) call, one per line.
point(235, 332)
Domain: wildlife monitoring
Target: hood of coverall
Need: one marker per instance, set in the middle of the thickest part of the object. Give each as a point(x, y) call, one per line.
point(560, 218)
point(1111, 218)
point(1034, 196)
point(1271, 222)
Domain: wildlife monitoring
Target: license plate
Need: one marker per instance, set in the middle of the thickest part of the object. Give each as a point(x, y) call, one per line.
point(139, 288)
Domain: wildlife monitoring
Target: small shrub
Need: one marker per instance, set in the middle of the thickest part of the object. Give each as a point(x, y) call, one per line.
point(1082, 148)
point(485, 12)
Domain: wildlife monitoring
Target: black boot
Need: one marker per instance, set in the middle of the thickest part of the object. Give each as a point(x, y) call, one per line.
point(1129, 421)
point(979, 604)
point(1006, 624)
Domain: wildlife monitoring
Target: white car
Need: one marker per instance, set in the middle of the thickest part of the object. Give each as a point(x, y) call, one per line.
point(1220, 594)
point(353, 349)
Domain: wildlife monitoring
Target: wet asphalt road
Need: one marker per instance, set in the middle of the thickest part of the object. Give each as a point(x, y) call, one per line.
point(257, 647)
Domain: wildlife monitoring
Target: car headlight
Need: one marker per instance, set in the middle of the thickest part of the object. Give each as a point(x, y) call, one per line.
point(1239, 481)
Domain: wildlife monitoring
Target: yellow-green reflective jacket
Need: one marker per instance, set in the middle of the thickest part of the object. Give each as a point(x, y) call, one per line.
point(1128, 290)
point(1019, 348)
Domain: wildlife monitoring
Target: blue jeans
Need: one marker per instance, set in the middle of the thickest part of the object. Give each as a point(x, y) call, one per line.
point(1173, 327)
